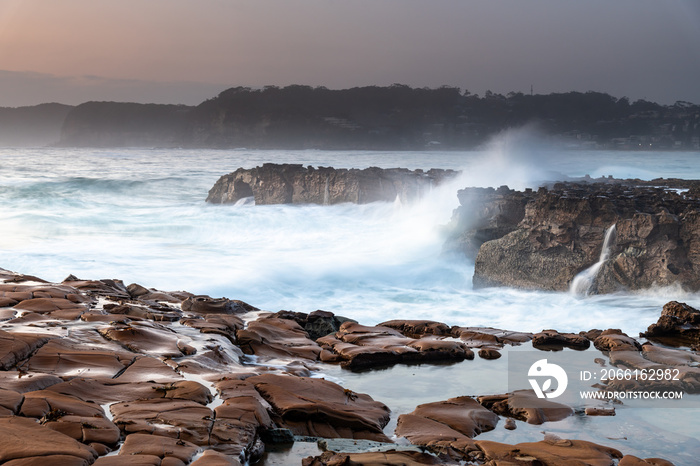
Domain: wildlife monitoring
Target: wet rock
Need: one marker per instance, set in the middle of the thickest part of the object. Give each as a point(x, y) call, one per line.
point(484, 214)
point(141, 337)
point(562, 232)
point(214, 458)
point(132, 460)
point(65, 359)
point(630, 460)
point(317, 324)
point(594, 411)
point(406, 458)
point(446, 423)
point(275, 338)
point(552, 452)
point(110, 390)
point(44, 305)
point(525, 406)
point(220, 324)
point(207, 305)
point(104, 288)
point(162, 447)
point(16, 347)
point(477, 337)
point(510, 424)
point(489, 353)
point(320, 408)
point(25, 439)
point(361, 347)
point(551, 340)
point(10, 401)
point(679, 325)
point(179, 419)
point(295, 184)
point(615, 340)
point(86, 429)
point(147, 369)
point(22, 381)
point(50, 406)
point(418, 328)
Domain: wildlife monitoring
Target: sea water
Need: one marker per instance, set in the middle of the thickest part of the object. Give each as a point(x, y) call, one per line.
point(139, 215)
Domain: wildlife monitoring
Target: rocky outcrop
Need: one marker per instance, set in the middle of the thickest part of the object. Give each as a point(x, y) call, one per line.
point(679, 325)
point(294, 184)
point(543, 239)
point(90, 367)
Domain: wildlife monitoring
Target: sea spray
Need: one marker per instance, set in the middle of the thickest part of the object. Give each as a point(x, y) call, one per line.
point(148, 223)
point(583, 282)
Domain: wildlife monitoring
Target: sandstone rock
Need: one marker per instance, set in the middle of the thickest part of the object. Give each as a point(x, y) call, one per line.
point(214, 458)
point(457, 418)
point(65, 359)
point(86, 429)
point(162, 447)
point(10, 401)
point(48, 405)
point(25, 439)
point(221, 324)
point(525, 406)
point(418, 328)
point(405, 458)
point(294, 184)
point(486, 336)
point(551, 340)
point(153, 339)
point(615, 340)
point(562, 231)
point(361, 347)
point(630, 460)
point(16, 347)
point(208, 305)
point(321, 408)
point(679, 324)
point(556, 452)
point(489, 353)
point(179, 419)
point(484, 214)
point(277, 338)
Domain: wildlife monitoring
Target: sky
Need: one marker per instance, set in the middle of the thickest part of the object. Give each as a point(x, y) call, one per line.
point(185, 51)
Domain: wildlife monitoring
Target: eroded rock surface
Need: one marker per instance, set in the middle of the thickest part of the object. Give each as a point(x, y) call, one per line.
point(295, 184)
point(543, 239)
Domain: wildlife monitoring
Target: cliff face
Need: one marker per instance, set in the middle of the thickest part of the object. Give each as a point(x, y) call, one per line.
point(295, 184)
point(562, 231)
point(38, 125)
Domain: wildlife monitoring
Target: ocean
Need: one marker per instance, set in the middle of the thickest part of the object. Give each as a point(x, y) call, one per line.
point(139, 215)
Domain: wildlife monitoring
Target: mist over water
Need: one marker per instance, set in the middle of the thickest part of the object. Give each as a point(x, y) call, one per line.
point(139, 215)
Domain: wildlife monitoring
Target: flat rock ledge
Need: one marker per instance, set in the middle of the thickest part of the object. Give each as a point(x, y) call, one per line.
point(295, 184)
point(156, 378)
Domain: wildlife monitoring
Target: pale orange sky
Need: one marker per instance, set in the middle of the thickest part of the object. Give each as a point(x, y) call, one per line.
point(182, 51)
